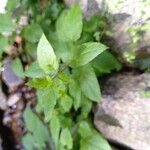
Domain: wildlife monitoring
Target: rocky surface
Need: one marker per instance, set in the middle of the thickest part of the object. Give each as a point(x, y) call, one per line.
point(123, 116)
point(14, 95)
point(3, 104)
point(88, 7)
point(123, 16)
point(9, 77)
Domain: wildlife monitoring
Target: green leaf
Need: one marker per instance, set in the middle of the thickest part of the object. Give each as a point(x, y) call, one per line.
point(85, 130)
point(55, 128)
point(46, 56)
point(64, 51)
point(31, 50)
point(88, 82)
point(75, 92)
point(40, 83)
point(105, 63)
point(66, 138)
point(69, 24)
point(47, 99)
point(6, 24)
point(3, 44)
point(28, 142)
point(60, 147)
point(87, 52)
point(34, 71)
point(94, 142)
point(86, 107)
point(66, 121)
point(65, 76)
point(17, 67)
point(33, 124)
point(32, 33)
point(11, 5)
point(85, 37)
point(91, 139)
point(65, 103)
point(54, 10)
point(92, 24)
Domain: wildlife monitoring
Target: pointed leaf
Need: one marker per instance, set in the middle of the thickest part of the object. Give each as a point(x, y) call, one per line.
point(39, 83)
point(55, 128)
point(66, 138)
point(86, 107)
point(46, 56)
point(94, 142)
point(66, 103)
point(91, 139)
point(87, 52)
point(69, 24)
point(105, 63)
point(33, 124)
point(47, 100)
point(75, 92)
point(84, 129)
point(88, 82)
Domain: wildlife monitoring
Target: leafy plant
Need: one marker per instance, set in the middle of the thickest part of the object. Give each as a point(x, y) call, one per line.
point(65, 54)
point(68, 83)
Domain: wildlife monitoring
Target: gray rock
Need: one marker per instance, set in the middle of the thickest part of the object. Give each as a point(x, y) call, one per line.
point(9, 77)
point(123, 116)
point(88, 7)
point(3, 104)
point(122, 16)
point(13, 99)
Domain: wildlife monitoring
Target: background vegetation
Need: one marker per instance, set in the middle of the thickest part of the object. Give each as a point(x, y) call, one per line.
point(61, 55)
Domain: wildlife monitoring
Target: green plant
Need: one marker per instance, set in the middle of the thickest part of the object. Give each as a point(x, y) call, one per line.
point(69, 85)
point(63, 73)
